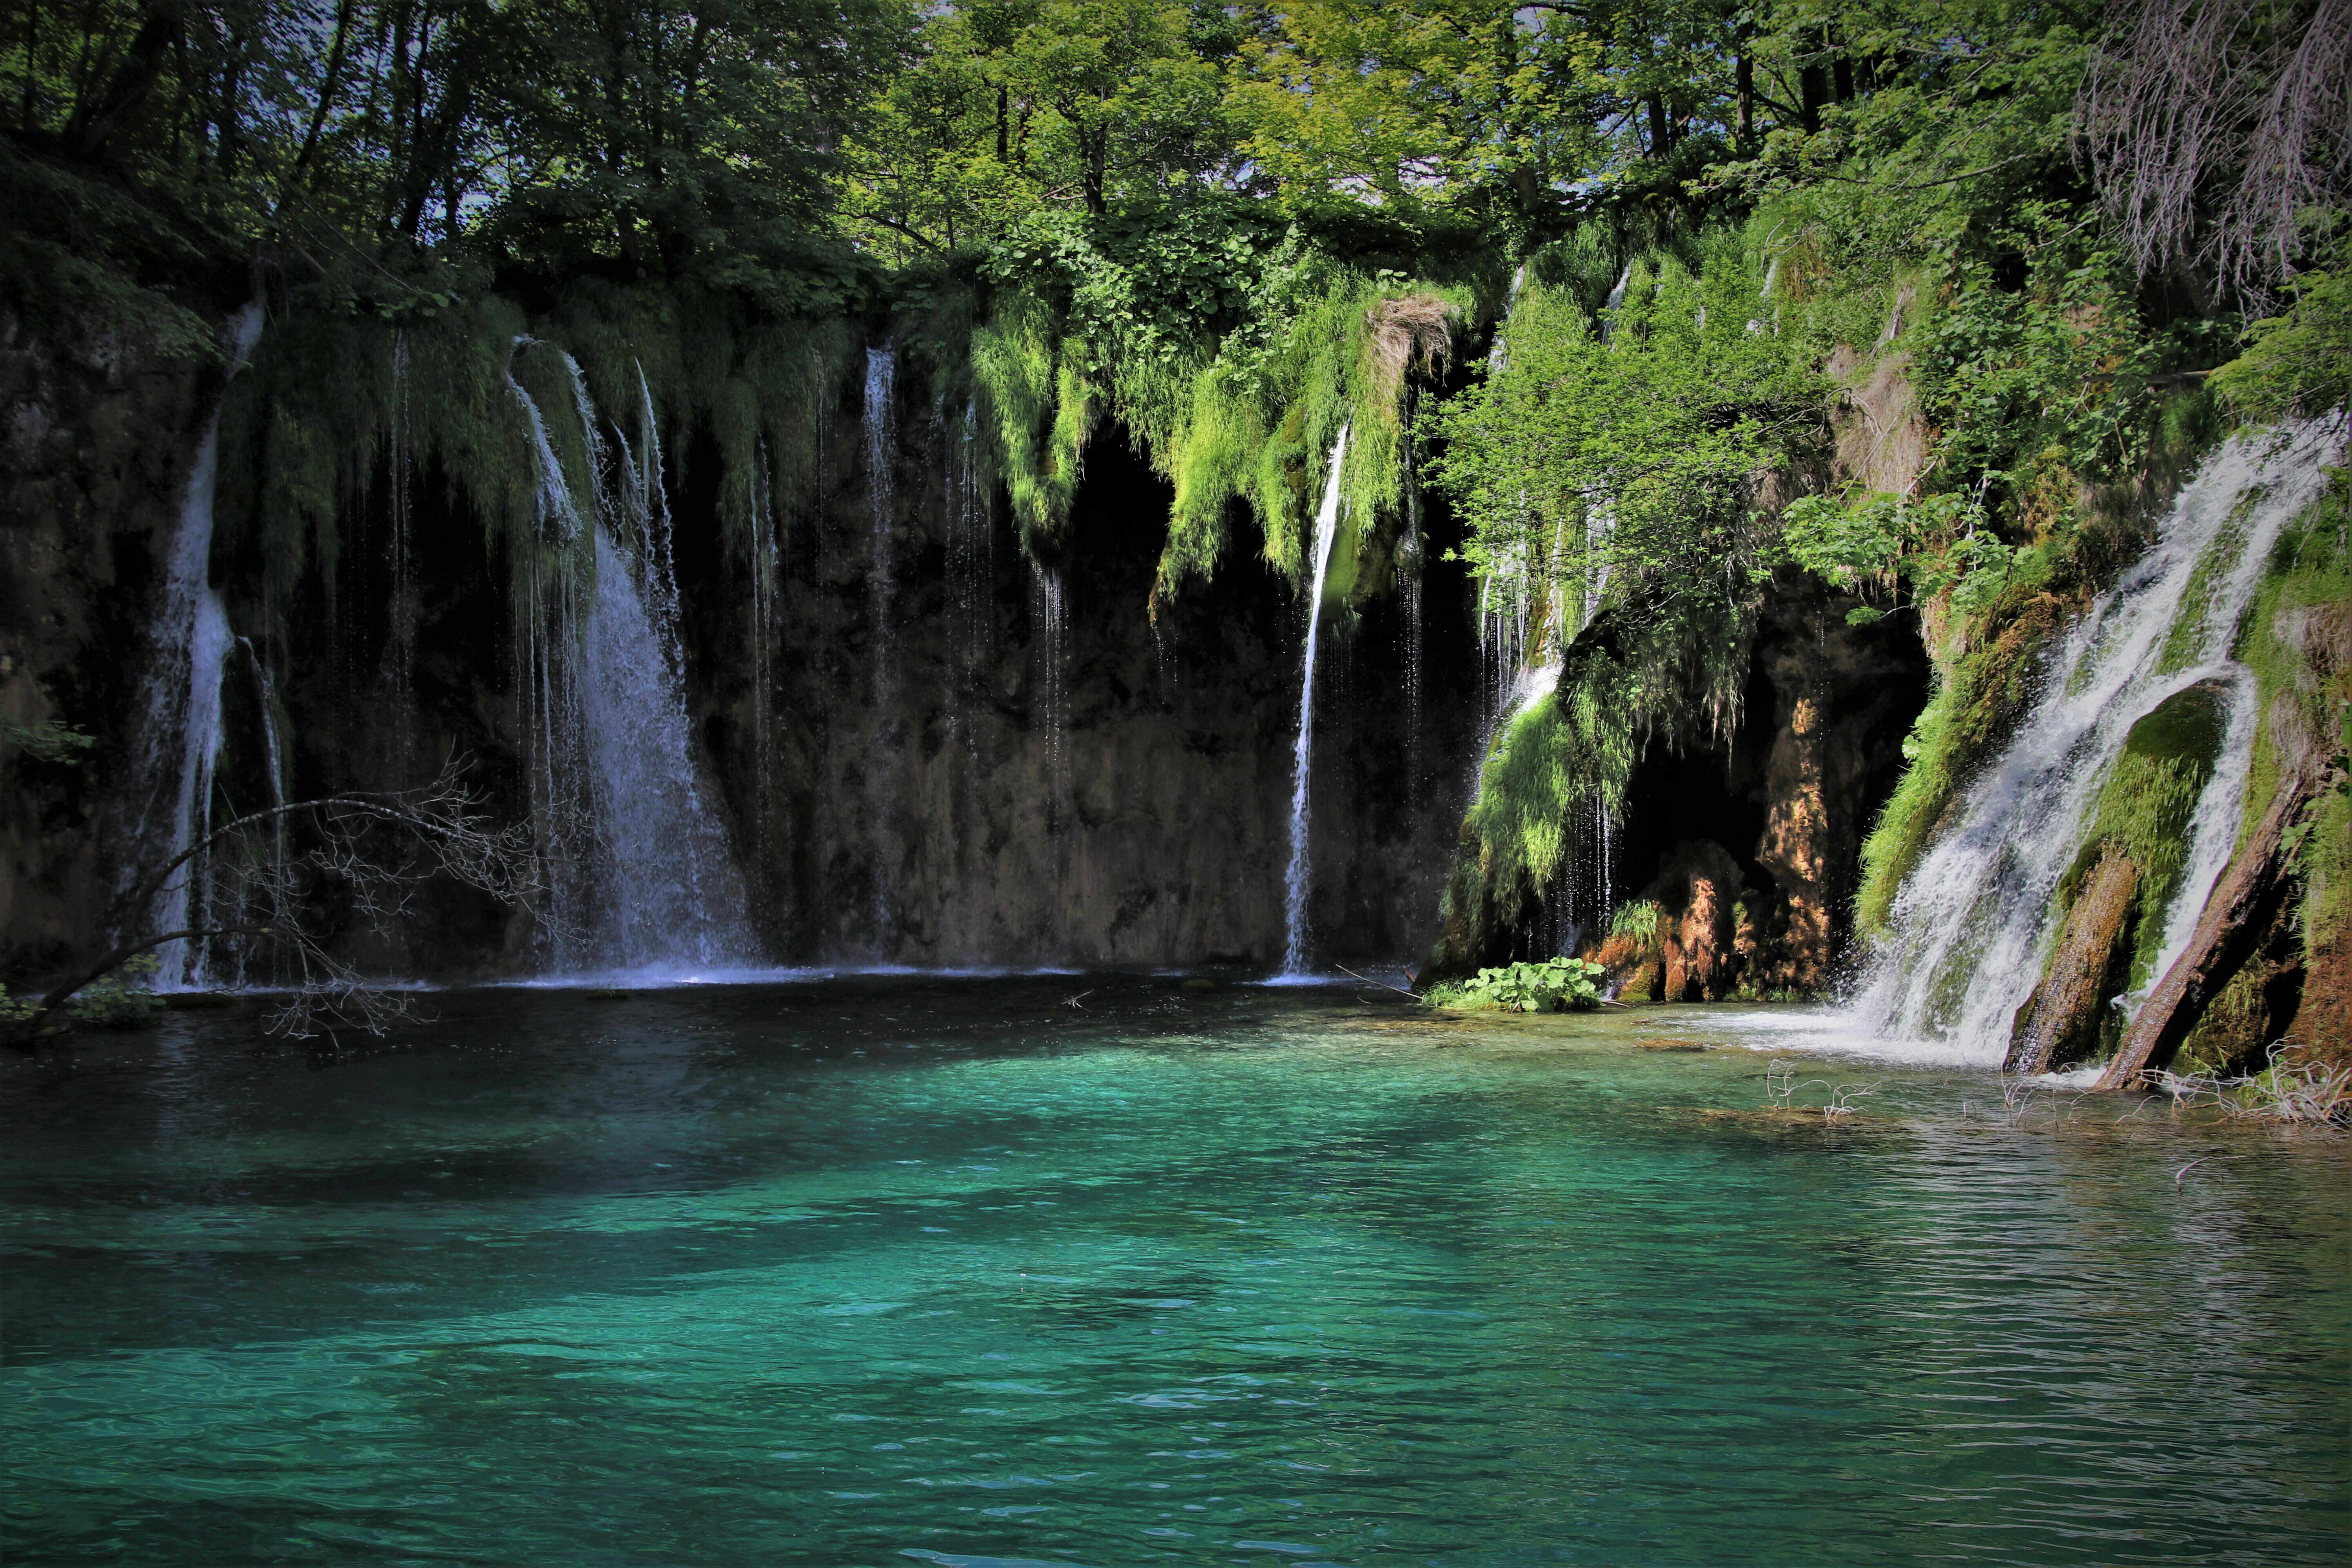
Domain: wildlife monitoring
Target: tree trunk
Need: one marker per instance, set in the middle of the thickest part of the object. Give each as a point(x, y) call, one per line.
point(1744, 83)
point(93, 122)
point(2254, 879)
point(2060, 1022)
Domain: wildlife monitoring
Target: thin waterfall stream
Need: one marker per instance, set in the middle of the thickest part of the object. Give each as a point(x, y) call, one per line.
point(880, 430)
point(1296, 878)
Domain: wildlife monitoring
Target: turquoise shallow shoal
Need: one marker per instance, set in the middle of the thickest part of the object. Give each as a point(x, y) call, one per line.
point(905, 1270)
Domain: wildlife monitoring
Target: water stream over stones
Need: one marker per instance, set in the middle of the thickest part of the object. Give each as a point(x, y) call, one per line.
point(1972, 922)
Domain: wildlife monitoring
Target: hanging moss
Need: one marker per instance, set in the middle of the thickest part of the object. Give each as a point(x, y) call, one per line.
point(1037, 401)
point(1644, 672)
point(307, 427)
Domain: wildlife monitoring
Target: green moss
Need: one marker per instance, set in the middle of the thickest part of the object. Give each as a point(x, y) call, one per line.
point(1645, 672)
point(2146, 809)
point(307, 428)
point(1037, 401)
point(2297, 639)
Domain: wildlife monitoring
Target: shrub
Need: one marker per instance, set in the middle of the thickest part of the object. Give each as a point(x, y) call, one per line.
point(123, 1000)
point(1554, 985)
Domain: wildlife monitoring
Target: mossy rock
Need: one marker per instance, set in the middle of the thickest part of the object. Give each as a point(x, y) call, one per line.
point(2187, 726)
point(2147, 806)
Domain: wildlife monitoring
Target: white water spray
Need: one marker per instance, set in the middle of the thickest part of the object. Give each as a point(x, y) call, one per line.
point(1971, 925)
point(1296, 879)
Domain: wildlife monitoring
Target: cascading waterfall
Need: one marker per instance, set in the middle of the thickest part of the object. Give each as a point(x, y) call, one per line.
point(1412, 562)
point(1296, 879)
point(179, 739)
point(1971, 924)
point(644, 880)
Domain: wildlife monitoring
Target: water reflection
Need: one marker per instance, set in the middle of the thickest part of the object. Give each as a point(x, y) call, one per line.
point(901, 1268)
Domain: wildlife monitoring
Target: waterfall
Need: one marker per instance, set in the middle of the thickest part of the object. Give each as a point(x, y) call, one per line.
point(1971, 924)
point(180, 738)
point(880, 432)
point(1295, 881)
point(644, 879)
point(1411, 563)
point(972, 576)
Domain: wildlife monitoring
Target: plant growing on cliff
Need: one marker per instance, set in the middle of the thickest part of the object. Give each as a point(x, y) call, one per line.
point(1554, 985)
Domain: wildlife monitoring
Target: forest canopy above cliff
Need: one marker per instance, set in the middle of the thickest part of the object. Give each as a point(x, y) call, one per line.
point(784, 147)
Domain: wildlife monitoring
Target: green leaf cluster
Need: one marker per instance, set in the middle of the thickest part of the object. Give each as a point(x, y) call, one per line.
point(1553, 985)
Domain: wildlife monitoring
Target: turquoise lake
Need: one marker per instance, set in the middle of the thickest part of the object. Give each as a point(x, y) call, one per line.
point(913, 1269)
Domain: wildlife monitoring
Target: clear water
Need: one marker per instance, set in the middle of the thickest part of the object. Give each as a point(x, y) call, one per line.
point(896, 1269)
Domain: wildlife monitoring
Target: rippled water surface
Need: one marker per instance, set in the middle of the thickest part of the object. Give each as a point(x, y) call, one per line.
point(953, 1272)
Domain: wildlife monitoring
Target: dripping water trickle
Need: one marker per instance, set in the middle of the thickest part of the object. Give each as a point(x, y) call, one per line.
point(879, 415)
point(1051, 649)
point(1295, 880)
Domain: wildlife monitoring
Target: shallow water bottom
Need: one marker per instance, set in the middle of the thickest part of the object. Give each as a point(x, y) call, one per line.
point(1120, 1270)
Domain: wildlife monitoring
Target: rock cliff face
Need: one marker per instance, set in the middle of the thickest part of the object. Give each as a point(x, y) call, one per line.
point(925, 749)
point(985, 762)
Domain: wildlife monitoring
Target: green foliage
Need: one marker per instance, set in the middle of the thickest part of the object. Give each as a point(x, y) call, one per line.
point(123, 1000)
point(1231, 349)
point(2299, 362)
point(1554, 985)
point(13, 1011)
point(1941, 545)
point(51, 741)
point(1632, 447)
point(1639, 674)
point(1636, 921)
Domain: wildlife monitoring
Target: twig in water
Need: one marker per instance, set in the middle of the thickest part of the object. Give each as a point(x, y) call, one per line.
point(2194, 1164)
point(1382, 984)
point(1079, 1001)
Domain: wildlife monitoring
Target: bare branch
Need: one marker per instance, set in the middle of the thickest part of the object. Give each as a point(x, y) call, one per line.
point(362, 858)
point(2213, 126)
